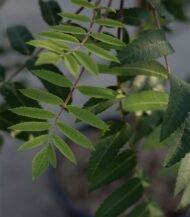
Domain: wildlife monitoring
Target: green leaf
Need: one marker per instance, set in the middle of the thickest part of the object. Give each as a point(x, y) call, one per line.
point(86, 61)
point(152, 68)
point(106, 165)
point(76, 17)
point(52, 77)
point(147, 47)
point(31, 126)
point(64, 148)
point(182, 183)
point(69, 29)
point(59, 36)
point(182, 144)
point(52, 155)
point(33, 112)
point(47, 58)
point(149, 209)
point(121, 199)
point(146, 100)
point(42, 96)
point(34, 142)
point(50, 45)
point(183, 175)
point(75, 136)
point(83, 3)
point(98, 92)
point(135, 16)
point(178, 107)
point(40, 163)
point(72, 64)
point(110, 23)
point(97, 106)
point(140, 211)
point(49, 10)
point(18, 37)
point(88, 117)
point(108, 39)
point(100, 52)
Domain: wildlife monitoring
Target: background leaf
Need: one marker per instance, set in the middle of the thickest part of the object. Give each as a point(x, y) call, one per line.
point(49, 10)
point(18, 37)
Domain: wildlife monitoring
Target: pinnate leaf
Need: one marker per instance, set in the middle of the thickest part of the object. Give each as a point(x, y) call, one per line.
point(86, 61)
point(64, 148)
point(34, 142)
point(98, 51)
point(77, 17)
point(52, 77)
point(98, 92)
point(75, 136)
point(69, 29)
point(110, 22)
point(31, 126)
point(88, 117)
point(33, 112)
point(108, 39)
point(40, 163)
point(42, 96)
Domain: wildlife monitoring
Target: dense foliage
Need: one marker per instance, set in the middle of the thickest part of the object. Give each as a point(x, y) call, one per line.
point(101, 44)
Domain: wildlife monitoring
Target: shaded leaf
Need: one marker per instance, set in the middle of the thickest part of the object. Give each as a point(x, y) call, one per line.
point(121, 199)
point(152, 68)
point(178, 107)
point(105, 159)
point(147, 47)
point(18, 37)
point(49, 10)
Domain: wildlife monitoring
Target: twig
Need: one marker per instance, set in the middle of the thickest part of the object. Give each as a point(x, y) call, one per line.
point(83, 69)
point(119, 35)
point(157, 22)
